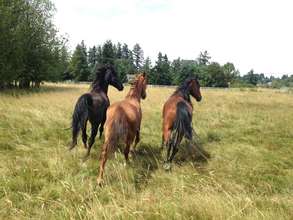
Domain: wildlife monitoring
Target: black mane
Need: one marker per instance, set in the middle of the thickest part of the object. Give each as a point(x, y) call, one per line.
point(183, 88)
point(100, 75)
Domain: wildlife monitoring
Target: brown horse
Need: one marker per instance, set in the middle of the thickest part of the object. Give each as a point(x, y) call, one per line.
point(123, 122)
point(177, 117)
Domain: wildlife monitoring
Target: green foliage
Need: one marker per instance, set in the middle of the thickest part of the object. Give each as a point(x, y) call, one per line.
point(203, 58)
point(108, 53)
point(31, 50)
point(79, 63)
point(183, 69)
point(147, 66)
point(161, 72)
point(137, 53)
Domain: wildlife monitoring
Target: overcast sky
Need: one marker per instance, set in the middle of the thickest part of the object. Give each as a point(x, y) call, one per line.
point(254, 34)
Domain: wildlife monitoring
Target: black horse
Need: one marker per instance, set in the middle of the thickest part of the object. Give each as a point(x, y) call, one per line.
point(92, 106)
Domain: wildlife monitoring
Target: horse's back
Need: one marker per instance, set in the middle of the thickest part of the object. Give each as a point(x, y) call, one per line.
point(128, 109)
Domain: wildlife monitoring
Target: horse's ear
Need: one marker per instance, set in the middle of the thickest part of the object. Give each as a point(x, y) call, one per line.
point(144, 74)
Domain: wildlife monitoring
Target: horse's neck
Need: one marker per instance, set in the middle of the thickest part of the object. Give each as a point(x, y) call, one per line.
point(100, 87)
point(185, 95)
point(134, 93)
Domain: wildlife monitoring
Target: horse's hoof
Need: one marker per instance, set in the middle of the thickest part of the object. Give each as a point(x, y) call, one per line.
point(167, 166)
point(132, 154)
point(100, 182)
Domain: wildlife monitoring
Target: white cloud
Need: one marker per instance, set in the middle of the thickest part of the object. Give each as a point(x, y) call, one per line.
point(251, 34)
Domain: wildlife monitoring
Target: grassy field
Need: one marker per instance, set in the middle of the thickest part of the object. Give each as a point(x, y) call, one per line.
point(248, 132)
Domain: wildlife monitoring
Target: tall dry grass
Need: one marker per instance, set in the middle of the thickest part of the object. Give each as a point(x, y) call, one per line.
point(249, 134)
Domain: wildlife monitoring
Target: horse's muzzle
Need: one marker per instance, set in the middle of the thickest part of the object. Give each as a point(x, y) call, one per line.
point(198, 99)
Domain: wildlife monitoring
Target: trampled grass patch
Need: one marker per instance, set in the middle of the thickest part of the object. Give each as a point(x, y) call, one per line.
point(249, 134)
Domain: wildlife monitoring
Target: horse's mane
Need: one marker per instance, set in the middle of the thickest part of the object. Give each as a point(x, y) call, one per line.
point(183, 88)
point(100, 75)
point(133, 84)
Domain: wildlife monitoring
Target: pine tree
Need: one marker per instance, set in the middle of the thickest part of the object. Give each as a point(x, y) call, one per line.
point(203, 58)
point(147, 66)
point(79, 64)
point(125, 52)
point(92, 61)
point(161, 72)
point(108, 53)
point(137, 57)
point(119, 51)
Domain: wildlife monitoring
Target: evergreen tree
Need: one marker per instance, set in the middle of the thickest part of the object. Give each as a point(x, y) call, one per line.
point(92, 61)
point(119, 51)
point(125, 52)
point(161, 72)
point(137, 57)
point(108, 53)
point(203, 58)
point(147, 66)
point(79, 64)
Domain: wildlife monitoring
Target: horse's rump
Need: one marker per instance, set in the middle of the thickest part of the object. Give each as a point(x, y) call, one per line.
point(116, 128)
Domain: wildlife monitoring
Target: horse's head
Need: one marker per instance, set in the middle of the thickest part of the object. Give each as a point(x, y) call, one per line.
point(111, 77)
point(142, 83)
point(194, 88)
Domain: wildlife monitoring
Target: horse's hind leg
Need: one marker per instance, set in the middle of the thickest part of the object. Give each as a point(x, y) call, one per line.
point(103, 160)
point(102, 126)
point(75, 132)
point(126, 152)
point(136, 141)
point(167, 164)
point(84, 135)
point(92, 138)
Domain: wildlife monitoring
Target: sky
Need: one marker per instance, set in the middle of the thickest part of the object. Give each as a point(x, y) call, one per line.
point(252, 34)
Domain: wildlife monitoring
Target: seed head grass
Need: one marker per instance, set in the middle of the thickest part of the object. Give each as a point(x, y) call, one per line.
point(249, 134)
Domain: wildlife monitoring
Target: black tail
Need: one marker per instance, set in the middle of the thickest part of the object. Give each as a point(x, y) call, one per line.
point(181, 128)
point(182, 125)
point(80, 115)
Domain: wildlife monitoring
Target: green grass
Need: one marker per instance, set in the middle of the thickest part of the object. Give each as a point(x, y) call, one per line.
point(249, 134)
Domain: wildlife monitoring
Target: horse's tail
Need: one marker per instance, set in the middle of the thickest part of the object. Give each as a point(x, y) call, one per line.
point(115, 130)
point(80, 115)
point(182, 125)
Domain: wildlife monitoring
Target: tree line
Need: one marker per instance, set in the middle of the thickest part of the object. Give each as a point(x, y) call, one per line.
point(164, 71)
point(32, 51)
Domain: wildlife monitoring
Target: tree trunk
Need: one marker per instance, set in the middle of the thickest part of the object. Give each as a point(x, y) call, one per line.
point(24, 83)
point(37, 84)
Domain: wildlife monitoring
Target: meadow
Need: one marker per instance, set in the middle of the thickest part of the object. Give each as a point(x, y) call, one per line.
point(248, 132)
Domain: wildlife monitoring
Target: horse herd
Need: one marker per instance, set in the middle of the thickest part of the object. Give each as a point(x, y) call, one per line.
point(122, 119)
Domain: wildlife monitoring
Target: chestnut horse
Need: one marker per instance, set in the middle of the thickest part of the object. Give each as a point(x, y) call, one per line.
point(92, 106)
point(177, 117)
point(123, 122)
